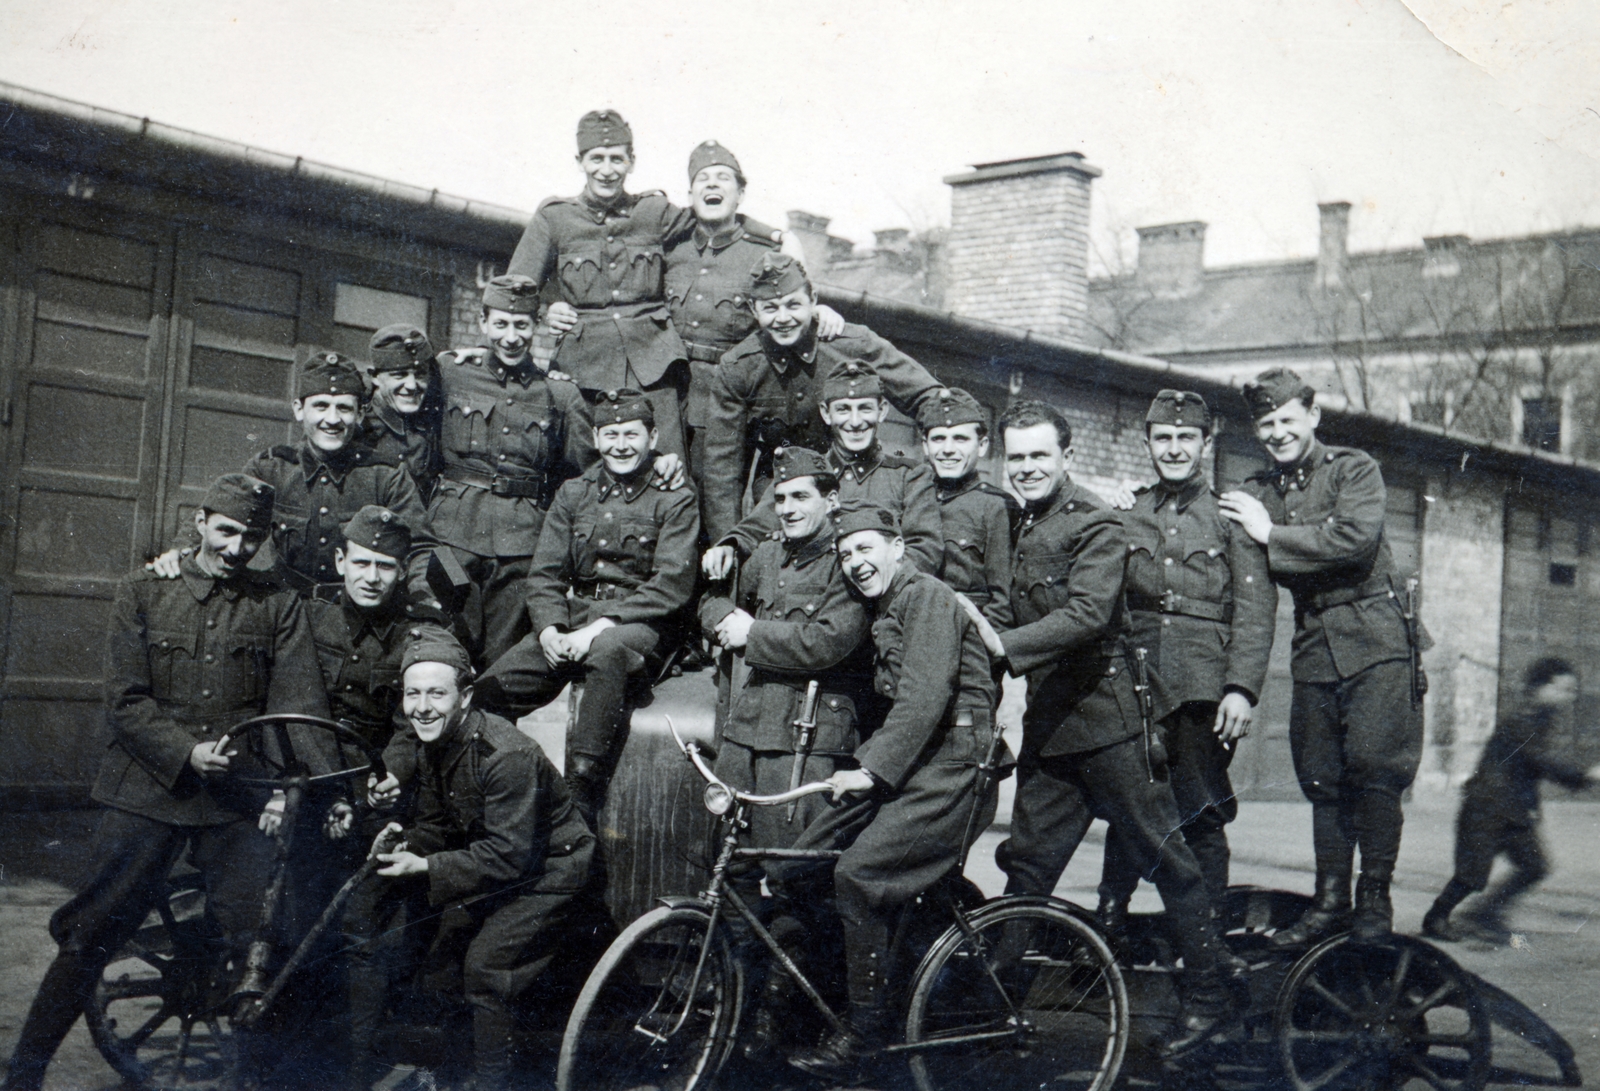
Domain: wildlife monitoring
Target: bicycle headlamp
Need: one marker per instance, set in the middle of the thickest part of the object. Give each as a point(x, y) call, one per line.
point(719, 798)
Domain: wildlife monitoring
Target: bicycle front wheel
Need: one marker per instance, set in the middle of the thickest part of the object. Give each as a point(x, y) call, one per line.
point(658, 1011)
point(1023, 995)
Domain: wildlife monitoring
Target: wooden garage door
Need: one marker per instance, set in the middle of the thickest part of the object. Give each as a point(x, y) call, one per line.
point(88, 347)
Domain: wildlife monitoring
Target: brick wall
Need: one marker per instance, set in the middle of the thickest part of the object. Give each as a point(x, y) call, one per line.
point(1018, 244)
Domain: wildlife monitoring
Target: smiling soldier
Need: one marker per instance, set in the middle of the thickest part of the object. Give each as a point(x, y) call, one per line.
point(615, 564)
point(402, 421)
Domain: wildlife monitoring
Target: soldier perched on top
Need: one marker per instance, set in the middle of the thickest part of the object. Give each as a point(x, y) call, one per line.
point(766, 390)
point(604, 251)
point(615, 565)
point(1355, 724)
point(1201, 603)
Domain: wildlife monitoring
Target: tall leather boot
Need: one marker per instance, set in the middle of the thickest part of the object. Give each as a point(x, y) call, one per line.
point(1328, 911)
point(1209, 1016)
point(1373, 920)
point(491, 1049)
point(586, 784)
point(843, 1052)
point(1111, 915)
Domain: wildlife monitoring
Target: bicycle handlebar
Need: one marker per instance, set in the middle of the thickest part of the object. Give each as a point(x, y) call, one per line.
point(691, 750)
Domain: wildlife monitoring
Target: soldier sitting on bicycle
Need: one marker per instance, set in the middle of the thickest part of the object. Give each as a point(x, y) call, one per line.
point(502, 855)
point(912, 788)
point(186, 659)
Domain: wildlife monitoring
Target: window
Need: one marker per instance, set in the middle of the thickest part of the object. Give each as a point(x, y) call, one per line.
point(1564, 575)
point(1541, 423)
point(359, 312)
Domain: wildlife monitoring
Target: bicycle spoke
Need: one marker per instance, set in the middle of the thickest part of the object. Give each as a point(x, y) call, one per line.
point(1422, 1069)
point(126, 988)
point(1322, 1036)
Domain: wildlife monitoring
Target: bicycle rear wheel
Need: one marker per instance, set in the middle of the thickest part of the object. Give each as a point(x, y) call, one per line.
point(659, 1010)
point(1026, 995)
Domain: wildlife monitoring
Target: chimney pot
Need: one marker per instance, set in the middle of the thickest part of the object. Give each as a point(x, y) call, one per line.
point(1172, 259)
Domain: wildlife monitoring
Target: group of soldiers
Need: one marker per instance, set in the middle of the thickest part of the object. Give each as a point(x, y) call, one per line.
point(461, 534)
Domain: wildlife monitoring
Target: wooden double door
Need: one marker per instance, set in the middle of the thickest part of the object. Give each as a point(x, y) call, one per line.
point(138, 360)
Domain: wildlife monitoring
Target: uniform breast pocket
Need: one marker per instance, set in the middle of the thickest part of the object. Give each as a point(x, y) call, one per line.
point(636, 544)
point(1205, 569)
point(246, 668)
point(474, 417)
point(385, 683)
point(288, 526)
point(171, 654)
point(580, 272)
point(585, 549)
point(1048, 579)
point(331, 660)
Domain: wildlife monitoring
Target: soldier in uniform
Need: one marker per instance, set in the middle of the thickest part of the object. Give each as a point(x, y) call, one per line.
point(765, 392)
point(497, 857)
point(605, 250)
point(326, 479)
point(625, 549)
point(978, 519)
point(402, 420)
point(1084, 750)
point(853, 404)
point(912, 785)
point(1355, 722)
point(707, 278)
point(1201, 603)
point(509, 437)
point(186, 660)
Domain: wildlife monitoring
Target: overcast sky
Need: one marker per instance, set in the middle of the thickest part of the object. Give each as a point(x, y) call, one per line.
point(1445, 117)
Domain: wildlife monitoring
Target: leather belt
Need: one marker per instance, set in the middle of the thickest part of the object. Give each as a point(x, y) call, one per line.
point(601, 592)
point(706, 354)
point(531, 486)
point(1343, 596)
point(1170, 602)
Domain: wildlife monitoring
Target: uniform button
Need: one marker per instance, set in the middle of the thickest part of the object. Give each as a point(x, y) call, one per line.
point(1111, 670)
point(347, 685)
point(205, 693)
point(322, 511)
point(1172, 530)
point(506, 431)
point(961, 541)
point(780, 583)
point(613, 265)
point(602, 541)
point(1294, 515)
point(502, 458)
point(1166, 621)
point(205, 730)
point(699, 295)
point(355, 659)
point(615, 293)
point(695, 323)
point(1167, 561)
point(608, 515)
point(211, 623)
point(703, 272)
point(511, 401)
point(611, 238)
point(210, 658)
point(800, 396)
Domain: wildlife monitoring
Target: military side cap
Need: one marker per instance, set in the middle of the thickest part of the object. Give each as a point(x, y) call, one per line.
point(952, 406)
point(602, 129)
point(1274, 388)
point(775, 276)
point(242, 498)
point(434, 646)
point(712, 154)
point(622, 406)
point(399, 347)
point(380, 530)
point(1181, 408)
point(330, 373)
point(792, 462)
point(858, 517)
point(512, 292)
point(851, 379)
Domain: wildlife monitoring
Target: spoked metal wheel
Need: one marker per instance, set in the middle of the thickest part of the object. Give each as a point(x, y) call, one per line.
point(1354, 1016)
point(155, 1014)
point(659, 1010)
point(1024, 995)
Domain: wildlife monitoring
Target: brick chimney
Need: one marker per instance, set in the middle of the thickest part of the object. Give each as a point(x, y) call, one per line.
point(891, 248)
point(1018, 252)
point(812, 231)
point(1333, 254)
point(1171, 259)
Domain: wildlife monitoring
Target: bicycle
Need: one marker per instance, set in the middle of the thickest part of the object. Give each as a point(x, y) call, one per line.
point(1018, 991)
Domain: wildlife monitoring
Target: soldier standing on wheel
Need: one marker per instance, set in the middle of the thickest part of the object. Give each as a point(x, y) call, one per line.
point(1355, 725)
point(911, 785)
point(1085, 754)
point(186, 659)
point(1201, 602)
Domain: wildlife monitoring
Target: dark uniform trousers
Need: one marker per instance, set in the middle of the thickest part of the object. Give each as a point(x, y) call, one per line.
point(508, 884)
point(608, 261)
point(508, 438)
point(185, 660)
point(905, 836)
point(1354, 733)
point(627, 551)
point(1082, 754)
point(1202, 604)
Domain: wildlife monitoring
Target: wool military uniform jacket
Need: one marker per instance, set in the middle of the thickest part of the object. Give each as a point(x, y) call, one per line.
point(404, 439)
point(1066, 594)
point(508, 438)
point(625, 548)
point(607, 261)
point(979, 523)
point(1200, 599)
point(930, 661)
point(899, 484)
point(706, 280)
point(186, 660)
point(1327, 548)
point(764, 397)
point(493, 816)
point(808, 626)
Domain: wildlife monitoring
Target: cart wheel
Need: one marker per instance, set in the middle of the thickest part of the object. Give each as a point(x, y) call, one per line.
point(1387, 1015)
point(1256, 911)
point(153, 1015)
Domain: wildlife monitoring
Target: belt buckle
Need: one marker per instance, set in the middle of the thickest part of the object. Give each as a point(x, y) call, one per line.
point(1169, 601)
